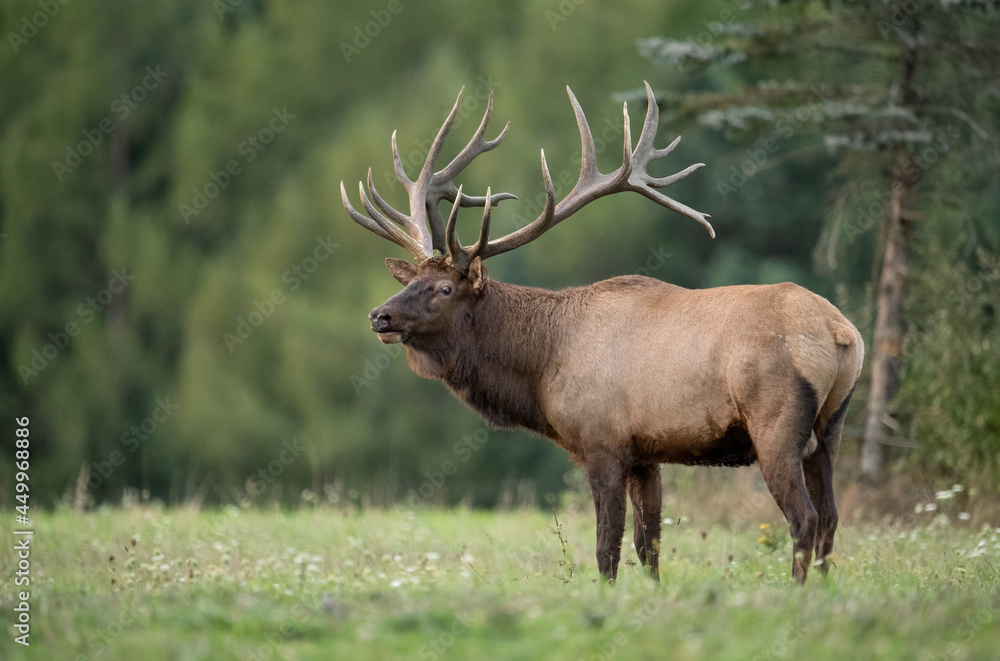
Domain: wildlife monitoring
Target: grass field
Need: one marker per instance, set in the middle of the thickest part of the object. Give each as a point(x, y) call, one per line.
point(150, 584)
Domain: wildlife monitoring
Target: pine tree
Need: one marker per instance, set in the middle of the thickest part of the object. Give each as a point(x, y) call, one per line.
point(890, 89)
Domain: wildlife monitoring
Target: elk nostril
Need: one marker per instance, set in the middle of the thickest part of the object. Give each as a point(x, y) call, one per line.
point(382, 321)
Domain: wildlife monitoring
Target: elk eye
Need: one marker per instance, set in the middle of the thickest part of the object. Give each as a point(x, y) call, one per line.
point(446, 290)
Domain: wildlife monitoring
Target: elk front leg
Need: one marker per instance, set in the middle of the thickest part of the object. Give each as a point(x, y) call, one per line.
point(645, 492)
point(607, 486)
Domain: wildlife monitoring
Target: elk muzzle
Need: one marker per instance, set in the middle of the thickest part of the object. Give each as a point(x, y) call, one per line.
point(382, 325)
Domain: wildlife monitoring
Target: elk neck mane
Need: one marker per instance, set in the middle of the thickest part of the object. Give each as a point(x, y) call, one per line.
point(494, 358)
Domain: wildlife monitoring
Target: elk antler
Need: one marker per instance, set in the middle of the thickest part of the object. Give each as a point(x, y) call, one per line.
point(430, 188)
point(592, 184)
point(424, 227)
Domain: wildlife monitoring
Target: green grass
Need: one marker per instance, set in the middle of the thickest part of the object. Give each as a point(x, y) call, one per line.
point(439, 584)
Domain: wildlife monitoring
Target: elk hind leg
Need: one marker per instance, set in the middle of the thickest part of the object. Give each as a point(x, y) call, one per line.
point(647, 499)
point(818, 470)
point(780, 442)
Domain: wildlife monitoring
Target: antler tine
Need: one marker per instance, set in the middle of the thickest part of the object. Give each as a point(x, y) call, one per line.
point(641, 182)
point(443, 183)
point(420, 237)
point(484, 226)
point(592, 184)
point(381, 225)
point(462, 256)
point(423, 209)
point(626, 169)
point(532, 230)
point(455, 248)
point(588, 151)
point(426, 230)
point(477, 145)
point(397, 165)
point(412, 228)
point(414, 245)
point(359, 217)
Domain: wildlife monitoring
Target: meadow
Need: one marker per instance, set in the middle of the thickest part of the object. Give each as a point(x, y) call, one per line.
point(155, 583)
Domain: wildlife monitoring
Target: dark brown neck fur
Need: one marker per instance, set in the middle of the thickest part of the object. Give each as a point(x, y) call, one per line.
point(495, 357)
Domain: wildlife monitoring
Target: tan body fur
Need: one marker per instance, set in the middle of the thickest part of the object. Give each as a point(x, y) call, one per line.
point(627, 373)
point(632, 372)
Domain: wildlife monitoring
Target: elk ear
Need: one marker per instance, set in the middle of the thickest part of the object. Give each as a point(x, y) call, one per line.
point(404, 272)
point(477, 275)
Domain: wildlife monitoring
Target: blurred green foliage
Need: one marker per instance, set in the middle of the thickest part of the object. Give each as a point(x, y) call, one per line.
point(951, 387)
point(183, 300)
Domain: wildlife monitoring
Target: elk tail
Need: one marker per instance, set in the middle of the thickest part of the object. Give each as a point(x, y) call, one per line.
point(844, 334)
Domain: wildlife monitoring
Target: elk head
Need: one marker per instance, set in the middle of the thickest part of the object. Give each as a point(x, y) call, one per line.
point(438, 288)
point(434, 297)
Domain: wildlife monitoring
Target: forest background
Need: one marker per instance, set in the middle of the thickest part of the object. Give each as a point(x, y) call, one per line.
point(183, 299)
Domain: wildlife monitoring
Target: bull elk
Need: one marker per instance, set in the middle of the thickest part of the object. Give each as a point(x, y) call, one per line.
point(627, 373)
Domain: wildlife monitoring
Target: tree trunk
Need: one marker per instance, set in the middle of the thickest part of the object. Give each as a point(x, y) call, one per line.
point(890, 327)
